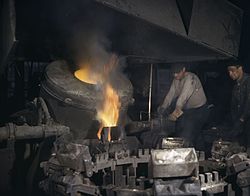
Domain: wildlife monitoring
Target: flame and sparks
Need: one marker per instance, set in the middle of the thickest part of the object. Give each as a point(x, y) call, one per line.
point(108, 113)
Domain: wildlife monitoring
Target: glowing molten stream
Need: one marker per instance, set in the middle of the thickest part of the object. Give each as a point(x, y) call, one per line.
point(109, 113)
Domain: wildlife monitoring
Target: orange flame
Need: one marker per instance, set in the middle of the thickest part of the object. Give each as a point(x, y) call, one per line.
point(108, 114)
point(99, 133)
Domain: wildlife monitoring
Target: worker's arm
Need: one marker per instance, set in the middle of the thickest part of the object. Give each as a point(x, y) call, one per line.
point(170, 96)
point(168, 99)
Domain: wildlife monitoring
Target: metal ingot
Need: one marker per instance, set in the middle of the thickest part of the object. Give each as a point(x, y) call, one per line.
point(172, 142)
point(174, 162)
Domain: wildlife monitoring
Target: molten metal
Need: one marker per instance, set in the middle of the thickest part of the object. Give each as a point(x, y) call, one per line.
point(87, 75)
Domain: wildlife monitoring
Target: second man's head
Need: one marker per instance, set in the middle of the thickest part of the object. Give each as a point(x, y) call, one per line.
point(235, 71)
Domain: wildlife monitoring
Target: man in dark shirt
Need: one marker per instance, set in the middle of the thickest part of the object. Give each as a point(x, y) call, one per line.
point(240, 104)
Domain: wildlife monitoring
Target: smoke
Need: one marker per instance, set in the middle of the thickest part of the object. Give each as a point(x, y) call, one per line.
point(91, 31)
point(92, 50)
point(91, 43)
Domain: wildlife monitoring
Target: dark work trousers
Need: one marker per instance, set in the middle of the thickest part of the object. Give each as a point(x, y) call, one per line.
point(244, 137)
point(189, 125)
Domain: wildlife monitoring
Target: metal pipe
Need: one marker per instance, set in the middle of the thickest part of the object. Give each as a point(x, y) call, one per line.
point(150, 92)
point(12, 131)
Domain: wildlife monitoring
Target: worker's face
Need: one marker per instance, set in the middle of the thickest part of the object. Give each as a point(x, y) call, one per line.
point(234, 72)
point(180, 75)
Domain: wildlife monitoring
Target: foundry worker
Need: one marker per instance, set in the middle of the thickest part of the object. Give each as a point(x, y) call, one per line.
point(240, 104)
point(190, 109)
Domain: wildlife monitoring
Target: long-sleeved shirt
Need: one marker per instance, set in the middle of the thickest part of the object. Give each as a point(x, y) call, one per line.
point(240, 104)
point(188, 91)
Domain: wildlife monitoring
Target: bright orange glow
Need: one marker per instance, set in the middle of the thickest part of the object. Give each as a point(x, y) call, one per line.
point(99, 133)
point(109, 134)
point(86, 75)
point(109, 113)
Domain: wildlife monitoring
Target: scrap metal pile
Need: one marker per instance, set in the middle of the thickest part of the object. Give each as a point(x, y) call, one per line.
point(94, 168)
point(77, 168)
point(73, 169)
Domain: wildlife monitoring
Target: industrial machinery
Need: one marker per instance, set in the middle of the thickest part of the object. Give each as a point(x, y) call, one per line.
point(80, 163)
point(78, 151)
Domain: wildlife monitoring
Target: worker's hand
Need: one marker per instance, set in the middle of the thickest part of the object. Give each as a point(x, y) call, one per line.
point(172, 117)
point(160, 110)
point(175, 114)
